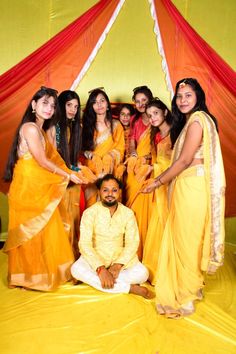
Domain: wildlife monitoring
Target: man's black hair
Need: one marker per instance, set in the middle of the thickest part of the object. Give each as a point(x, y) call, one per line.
point(108, 177)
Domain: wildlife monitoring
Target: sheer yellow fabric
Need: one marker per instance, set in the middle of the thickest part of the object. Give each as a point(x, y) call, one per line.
point(80, 319)
point(105, 143)
point(72, 205)
point(194, 233)
point(140, 203)
point(38, 248)
point(159, 211)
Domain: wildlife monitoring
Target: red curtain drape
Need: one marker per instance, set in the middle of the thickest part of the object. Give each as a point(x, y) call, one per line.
point(188, 55)
point(56, 64)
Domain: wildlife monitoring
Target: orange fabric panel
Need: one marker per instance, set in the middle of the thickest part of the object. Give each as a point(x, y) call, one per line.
point(184, 60)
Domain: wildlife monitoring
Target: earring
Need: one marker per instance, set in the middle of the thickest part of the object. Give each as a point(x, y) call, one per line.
point(33, 110)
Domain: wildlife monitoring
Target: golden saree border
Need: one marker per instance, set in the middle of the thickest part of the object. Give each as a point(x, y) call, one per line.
point(42, 282)
point(27, 230)
point(213, 244)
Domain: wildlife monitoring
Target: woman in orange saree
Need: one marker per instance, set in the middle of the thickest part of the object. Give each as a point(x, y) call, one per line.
point(138, 164)
point(193, 239)
point(161, 121)
point(103, 141)
point(38, 248)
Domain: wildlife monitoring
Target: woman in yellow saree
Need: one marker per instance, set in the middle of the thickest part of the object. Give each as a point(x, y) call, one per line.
point(161, 120)
point(38, 248)
point(193, 239)
point(103, 141)
point(65, 135)
point(138, 164)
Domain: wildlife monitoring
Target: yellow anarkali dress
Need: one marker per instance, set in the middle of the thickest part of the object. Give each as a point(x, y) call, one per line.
point(105, 142)
point(193, 240)
point(159, 210)
point(38, 248)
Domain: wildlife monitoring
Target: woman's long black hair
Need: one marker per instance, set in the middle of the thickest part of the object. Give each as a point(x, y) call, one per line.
point(180, 118)
point(168, 117)
point(69, 150)
point(29, 116)
point(90, 118)
point(147, 92)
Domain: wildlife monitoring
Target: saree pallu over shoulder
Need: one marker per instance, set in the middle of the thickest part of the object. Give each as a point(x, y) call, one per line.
point(213, 243)
point(106, 142)
point(34, 195)
point(144, 143)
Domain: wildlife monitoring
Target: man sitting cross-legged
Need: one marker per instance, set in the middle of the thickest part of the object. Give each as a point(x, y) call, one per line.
point(108, 244)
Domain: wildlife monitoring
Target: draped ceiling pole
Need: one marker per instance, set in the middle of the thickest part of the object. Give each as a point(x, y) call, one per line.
point(188, 55)
point(56, 64)
point(98, 46)
point(160, 48)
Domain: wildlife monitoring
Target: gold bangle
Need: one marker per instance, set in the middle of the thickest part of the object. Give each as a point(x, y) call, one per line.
point(159, 179)
point(160, 183)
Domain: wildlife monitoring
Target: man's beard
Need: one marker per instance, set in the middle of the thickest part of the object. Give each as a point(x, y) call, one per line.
point(109, 204)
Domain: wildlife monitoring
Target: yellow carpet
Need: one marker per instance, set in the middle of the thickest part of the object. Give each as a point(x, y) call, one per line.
point(79, 319)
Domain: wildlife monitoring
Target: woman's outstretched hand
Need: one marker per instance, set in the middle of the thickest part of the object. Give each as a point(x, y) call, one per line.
point(149, 186)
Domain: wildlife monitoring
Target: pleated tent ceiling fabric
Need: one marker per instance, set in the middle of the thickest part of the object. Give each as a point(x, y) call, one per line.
point(79, 319)
point(56, 64)
point(188, 55)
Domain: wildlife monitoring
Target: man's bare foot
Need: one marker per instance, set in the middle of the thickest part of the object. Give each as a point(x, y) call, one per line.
point(11, 286)
point(141, 291)
point(76, 281)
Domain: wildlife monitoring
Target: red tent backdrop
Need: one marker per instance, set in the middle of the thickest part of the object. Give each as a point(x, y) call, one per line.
point(188, 55)
point(55, 64)
point(58, 63)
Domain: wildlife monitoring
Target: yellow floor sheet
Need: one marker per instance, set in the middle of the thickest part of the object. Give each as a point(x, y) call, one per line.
point(81, 320)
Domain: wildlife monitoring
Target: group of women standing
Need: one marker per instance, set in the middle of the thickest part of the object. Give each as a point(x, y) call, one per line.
point(172, 167)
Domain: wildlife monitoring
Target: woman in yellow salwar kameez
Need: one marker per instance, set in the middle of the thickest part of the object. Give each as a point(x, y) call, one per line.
point(38, 248)
point(138, 164)
point(103, 141)
point(193, 240)
point(161, 120)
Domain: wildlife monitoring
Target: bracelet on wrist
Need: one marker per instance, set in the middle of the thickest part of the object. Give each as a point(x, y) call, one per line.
point(88, 155)
point(75, 168)
point(133, 154)
point(157, 183)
